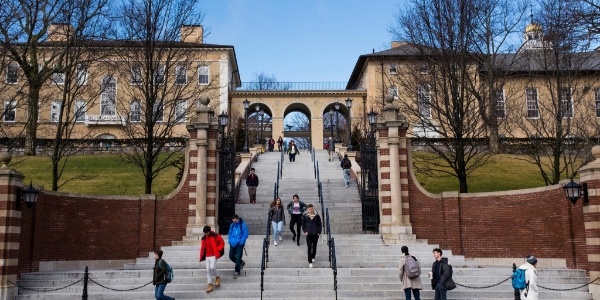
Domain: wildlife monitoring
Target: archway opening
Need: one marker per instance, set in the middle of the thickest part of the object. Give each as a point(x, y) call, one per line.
point(297, 125)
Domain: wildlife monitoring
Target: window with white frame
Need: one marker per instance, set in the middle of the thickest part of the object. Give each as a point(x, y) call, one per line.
point(55, 107)
point(394, 92)
point(80, 109)
point(136, 74)
point(108, 98)
point(393, 68)
point(12, 71)
point(180, 74)
point(424, 101)
point(158, 111)
point(423, 69)
point(10, 111)
point(203, 75)
point(159, 75)
point(500, 104)
point(531, 102)
point(82, 74)
point(597, 101)
point(566, 103)
point(180, 111)
point(58, 78)
point(135, 111)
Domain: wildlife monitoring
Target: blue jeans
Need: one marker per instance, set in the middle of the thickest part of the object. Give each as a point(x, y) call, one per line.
point(235, 255)
point(159, 292)
point(277, 228)
point(440, 292)
point(416, 293)
point(346, 177)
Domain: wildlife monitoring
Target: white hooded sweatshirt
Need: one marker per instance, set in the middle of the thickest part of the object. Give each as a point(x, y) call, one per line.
point(530, 277)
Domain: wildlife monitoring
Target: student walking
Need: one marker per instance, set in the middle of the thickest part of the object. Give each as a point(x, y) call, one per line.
point(277, 217)
point(346, 164)
point(271, 144)
point(158, 280)
point(238, 233)
point(530, 292)
point(442, 275)
point(292, 151)
point(409, 282)
point(311, 226)
point(296, 208)
point(252, 184)
point(279, 143)
point(212, 247)
point(330, 148)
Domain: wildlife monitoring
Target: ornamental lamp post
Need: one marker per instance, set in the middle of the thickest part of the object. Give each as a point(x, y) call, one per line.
point(331, 121)
point(246, 106)
point(262, 117)
point(257, 109)
point(349, 106)
point(337, 121)
point(372, 116)
point(223, 121)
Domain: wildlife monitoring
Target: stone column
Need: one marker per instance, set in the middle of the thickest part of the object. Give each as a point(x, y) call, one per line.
point(590, 175)
point(199, 142)
point(11, 182)
point(393, 180)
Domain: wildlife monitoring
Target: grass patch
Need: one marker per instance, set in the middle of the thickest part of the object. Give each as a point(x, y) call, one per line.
point(109, 174)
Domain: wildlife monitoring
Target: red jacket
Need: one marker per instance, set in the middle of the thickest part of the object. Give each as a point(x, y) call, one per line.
point(212, 245)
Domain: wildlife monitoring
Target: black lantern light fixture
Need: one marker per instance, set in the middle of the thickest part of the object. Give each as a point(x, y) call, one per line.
point(246, 106)
point(574, 191)
point(223, 121)
point(349, 106)
point(372, 116)
point(28, 196)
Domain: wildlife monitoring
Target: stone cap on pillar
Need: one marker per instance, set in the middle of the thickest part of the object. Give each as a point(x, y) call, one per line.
point(592, 169)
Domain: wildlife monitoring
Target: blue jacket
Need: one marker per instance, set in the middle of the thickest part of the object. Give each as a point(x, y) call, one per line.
point(238, 233)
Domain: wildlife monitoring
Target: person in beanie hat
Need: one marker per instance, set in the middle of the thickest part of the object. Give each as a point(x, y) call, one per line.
point(531, 291)
point(346, 165)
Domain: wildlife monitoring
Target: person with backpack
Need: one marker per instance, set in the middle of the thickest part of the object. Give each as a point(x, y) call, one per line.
point(346, 164)
point(237, 236)
point(409, 270)
point(530, 292)
point(212, 247)
point(441, 271)
point(159, 278)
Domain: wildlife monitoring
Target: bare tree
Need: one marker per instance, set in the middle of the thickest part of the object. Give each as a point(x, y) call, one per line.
point(82, 22)
point(160, 67)
point(262, 82)
point(557, 81)
point(435, 88)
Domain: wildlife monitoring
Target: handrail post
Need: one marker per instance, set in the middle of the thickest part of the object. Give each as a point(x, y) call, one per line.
point(86, 277)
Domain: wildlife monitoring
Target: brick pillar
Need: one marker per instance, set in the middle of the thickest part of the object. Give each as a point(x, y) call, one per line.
point(590, 174)
point(202, 174)
point(11, 181)
point(393, 178)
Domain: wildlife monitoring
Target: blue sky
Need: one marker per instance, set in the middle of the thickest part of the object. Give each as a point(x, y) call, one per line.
point(301, 40)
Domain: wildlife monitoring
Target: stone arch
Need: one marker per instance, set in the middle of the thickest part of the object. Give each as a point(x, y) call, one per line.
point(303, 134)
point(261, 126)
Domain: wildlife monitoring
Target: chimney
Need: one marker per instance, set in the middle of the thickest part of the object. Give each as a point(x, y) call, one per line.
point(60, 32)
point(396, 44)
point(191, 33)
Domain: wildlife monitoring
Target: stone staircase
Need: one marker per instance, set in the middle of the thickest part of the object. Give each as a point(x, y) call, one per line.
point(367, 267)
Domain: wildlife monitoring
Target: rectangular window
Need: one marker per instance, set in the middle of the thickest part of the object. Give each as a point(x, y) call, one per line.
point(500, 104)
point(203, 75)
point(136, 74)
point(10, 111)
point(180, 111)
point(58, 78)
point(12, 71)
point(158, 111)
point(82, 74)
point(423, 69)
point(566, 103)
point(180, 75)
point(135, 111)
point(393, 69)
point(55, 111)
point(424, 101)
point(159, 75)
point(597, 101)
point(80, 111)
point(533, 110)
point(108, 99)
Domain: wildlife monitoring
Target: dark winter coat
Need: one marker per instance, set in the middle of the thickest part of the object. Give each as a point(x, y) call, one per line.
point(442, 272)
point(160, 270)
point(276, 214)
point(252, 180)
point(312, 226)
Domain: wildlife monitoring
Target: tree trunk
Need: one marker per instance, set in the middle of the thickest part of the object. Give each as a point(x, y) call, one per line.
point(32, 120)
point(494, 140)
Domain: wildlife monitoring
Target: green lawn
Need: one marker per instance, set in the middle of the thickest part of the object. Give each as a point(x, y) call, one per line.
point(112, 176)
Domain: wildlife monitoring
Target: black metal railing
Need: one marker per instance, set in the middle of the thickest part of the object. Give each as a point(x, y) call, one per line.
point(292, 86)
point(263, 263)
